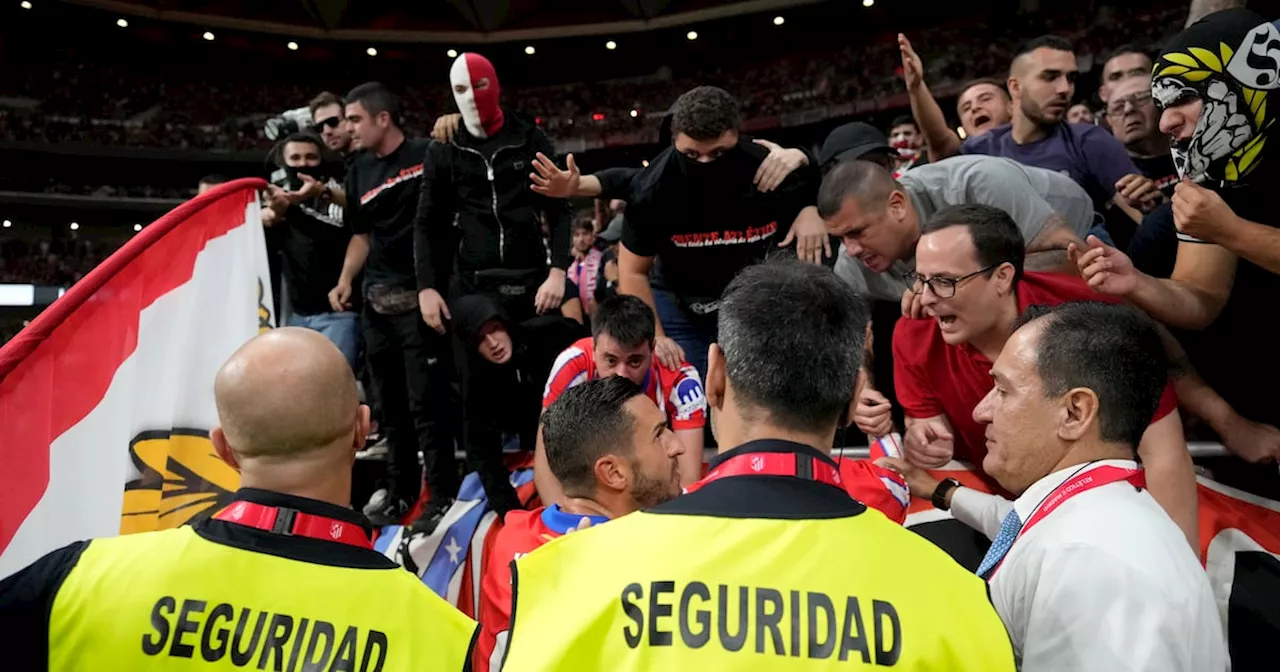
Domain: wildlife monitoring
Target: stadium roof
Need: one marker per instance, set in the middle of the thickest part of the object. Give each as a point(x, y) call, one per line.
point(457, 21)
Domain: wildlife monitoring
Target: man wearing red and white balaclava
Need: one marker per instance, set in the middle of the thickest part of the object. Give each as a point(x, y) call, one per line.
point(476, 88)
point(481, 179)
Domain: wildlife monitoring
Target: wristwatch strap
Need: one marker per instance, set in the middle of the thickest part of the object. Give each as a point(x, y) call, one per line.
point(939, 497)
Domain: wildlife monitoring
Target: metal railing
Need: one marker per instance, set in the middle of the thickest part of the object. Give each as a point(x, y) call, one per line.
point(1196, 448)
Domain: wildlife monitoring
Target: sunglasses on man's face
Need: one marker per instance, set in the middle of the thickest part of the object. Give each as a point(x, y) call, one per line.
point(331, 122)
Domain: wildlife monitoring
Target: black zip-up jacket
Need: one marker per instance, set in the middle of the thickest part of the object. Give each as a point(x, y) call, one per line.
point(485, 185)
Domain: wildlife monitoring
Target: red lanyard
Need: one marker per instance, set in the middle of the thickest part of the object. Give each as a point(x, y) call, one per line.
point(772, 464)
point(1093, 478)
point(292, 522)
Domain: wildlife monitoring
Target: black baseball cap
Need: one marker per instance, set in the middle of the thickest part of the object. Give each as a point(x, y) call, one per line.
point(852, 141)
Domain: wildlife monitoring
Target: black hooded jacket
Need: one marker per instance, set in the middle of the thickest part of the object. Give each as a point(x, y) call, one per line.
point(507, 396)
point(485, 185)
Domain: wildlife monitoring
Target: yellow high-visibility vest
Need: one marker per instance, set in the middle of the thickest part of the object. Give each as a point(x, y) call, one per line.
point(653, 591)
point(172, 600)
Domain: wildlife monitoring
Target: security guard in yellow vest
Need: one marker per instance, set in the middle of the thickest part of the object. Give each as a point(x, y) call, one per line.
point(284, 578)
point(767, 563)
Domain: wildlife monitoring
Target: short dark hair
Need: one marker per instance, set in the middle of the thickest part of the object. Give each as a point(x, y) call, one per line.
point(585, 219)
point(1055, 42)
point(1112, 349)
point(792, 336)
point(214, 179)
point(626, 319)
point(376, 98)
point(303, 136)
point(996, 237)
point(985, 80)
point(904, 120)
point(704, 113)
point(1133, 48)
point(584, 424)
point(324, 99)
point(868, 182)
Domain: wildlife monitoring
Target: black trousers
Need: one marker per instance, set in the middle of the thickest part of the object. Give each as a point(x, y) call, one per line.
point(490, 400)
point(411, 367)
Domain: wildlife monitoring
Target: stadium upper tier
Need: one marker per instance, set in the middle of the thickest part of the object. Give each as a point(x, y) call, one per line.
point(125, 87)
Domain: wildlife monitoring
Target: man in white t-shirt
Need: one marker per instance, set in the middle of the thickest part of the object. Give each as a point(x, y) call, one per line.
point(1085, 568)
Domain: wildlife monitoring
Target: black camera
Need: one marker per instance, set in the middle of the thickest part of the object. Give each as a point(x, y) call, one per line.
point(289, 121)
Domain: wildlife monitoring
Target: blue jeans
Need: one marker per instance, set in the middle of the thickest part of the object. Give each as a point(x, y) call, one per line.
point(342, 329)
point(694, 334)
point(1100, 230)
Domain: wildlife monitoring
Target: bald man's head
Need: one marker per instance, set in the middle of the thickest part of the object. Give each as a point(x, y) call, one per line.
point(286, 394)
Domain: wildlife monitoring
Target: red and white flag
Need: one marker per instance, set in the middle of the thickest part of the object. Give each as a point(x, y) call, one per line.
point(106, 398)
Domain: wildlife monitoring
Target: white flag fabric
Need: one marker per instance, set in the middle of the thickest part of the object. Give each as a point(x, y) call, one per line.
point(106, 398)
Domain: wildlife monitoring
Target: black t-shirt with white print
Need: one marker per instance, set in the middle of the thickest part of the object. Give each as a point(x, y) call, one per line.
point(382, 199)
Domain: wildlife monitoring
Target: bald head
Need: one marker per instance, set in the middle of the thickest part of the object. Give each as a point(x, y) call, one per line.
point(286, 394)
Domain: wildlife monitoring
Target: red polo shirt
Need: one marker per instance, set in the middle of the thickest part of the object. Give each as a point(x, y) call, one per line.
point(934, 378)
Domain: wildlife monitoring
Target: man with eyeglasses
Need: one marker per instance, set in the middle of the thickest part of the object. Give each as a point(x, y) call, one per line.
point(878, 218)
point(971, 281)
point(1134, 120)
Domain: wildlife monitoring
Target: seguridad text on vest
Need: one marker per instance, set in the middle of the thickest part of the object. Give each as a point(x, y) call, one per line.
point(190, 629)
point(806, 624)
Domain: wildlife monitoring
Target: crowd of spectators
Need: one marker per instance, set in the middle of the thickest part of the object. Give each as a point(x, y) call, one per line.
point(57, 262)
point(80, 100)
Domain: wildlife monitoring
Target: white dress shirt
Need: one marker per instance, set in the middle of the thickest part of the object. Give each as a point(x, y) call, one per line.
point(1106, 582)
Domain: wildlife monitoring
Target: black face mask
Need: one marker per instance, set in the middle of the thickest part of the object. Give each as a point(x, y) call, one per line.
point(718, 174)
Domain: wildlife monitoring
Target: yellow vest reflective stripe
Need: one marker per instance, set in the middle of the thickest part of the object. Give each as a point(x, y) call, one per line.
point(172, 600)
point(666, 592)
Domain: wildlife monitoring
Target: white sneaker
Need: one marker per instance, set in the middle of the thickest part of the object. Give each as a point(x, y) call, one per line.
point(377, 451)
point(376, 502)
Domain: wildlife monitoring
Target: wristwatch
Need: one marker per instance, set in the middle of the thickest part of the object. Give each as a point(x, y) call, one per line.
point(939, 497)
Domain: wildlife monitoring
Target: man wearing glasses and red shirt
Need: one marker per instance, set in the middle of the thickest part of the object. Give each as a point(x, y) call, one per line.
point(970, 280)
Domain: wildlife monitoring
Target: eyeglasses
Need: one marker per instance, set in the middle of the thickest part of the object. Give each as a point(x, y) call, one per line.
point(331, 122)
point(943, 288)
point(1116, 107)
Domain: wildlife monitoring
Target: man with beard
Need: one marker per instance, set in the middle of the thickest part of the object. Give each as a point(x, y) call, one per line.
point(759, 534)
point(1041, 83)
point(474, 188)
point(1080, 114)
point(697, 219)
point(983, 105)
point(328, 124)
point(611, 448)
point(622, 344)
point(327, 120)
point(1212, 82)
